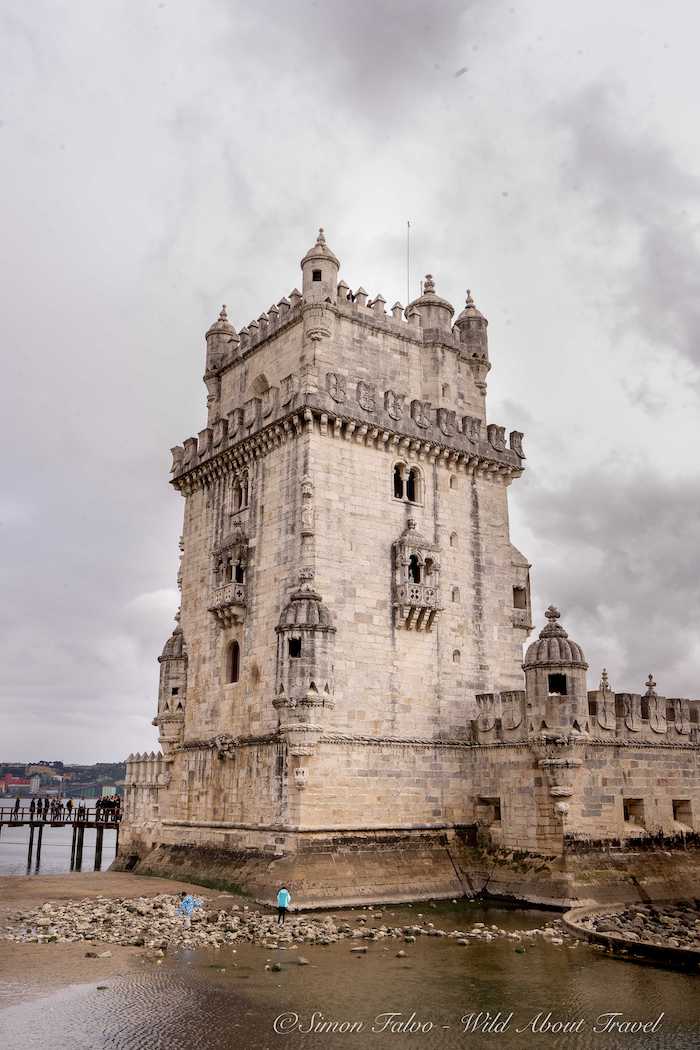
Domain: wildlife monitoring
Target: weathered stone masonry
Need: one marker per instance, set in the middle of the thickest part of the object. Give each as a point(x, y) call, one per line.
point(346, 672)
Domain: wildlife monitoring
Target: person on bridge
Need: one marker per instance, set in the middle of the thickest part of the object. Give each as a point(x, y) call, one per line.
point(186, 906)
point(16, 805)
point(69, 808)
point(32, 807)
point(284, 898)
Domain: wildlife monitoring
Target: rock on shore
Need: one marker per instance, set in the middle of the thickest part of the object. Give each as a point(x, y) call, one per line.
point(154, 923)
point(669, 926)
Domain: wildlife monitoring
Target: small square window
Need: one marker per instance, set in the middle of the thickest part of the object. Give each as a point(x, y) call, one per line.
point(316, 275)
point(557, 684)
point(175, 690)
point(295, 648)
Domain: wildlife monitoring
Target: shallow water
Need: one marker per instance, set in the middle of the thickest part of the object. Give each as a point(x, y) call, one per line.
point(188, 1002)
point(55, 849)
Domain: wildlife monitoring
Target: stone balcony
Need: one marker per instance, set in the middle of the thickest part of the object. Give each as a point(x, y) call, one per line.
point(416, 605)
point(228, 603)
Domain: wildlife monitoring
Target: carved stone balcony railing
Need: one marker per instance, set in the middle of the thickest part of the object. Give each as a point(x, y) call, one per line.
point(416, 605)
point(521, 618)
point(228, 603)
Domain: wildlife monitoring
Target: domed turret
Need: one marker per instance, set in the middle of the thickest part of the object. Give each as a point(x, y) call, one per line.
point(221, 339)
point(555, 680)
point(319, 268)
point(305, 654)
point(172, 691)
point(434, 312)
point(471, 327)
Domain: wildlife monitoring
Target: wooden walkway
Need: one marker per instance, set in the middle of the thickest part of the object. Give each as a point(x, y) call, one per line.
point(79, 818)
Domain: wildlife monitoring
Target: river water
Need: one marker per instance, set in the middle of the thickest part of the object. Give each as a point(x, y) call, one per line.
point(226, 1000)
point(55, 849)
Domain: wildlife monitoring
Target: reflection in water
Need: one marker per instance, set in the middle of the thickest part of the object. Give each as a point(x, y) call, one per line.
point(188, 1002)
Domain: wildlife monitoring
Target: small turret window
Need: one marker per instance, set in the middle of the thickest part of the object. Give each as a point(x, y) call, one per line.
point(557, 684)
point(316, 275)
point(295, 648)
point(519, 598)
point(453, 539)
point(175, 690)
point(233, 663)
point(644, 708)
point(670, 712)
point(455, 594)
point(693, 716)
point(456, 657)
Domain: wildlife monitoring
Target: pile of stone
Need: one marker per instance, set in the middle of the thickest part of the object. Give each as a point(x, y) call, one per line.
point(154, 923)
point(669, 926)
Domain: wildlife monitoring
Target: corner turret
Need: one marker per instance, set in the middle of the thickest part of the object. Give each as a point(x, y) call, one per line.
point(555, 681)
point(471, 328)
point(221, 340)
point(319, 268)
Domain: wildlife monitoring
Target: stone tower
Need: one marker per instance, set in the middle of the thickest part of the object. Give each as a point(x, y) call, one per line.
point(348, 583)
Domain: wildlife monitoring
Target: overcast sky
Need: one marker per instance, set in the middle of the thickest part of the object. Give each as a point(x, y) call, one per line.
point(160, 158)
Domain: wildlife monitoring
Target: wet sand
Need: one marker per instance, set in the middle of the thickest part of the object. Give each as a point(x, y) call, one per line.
point(27, 970)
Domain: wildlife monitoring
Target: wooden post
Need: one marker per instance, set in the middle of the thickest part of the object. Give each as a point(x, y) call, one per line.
point(31, 846)
point(38, 847)
point(98, 847)
point(72, 847)
point(79, 851)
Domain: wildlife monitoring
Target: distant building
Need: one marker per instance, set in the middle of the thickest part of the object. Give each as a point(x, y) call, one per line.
point(35, 784)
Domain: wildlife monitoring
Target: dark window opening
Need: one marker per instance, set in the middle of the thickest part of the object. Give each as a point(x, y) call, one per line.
point(644, 708)
point(414, 569)
point(633, 811)
point(316, 275)
point(295, 648)
point(233, 663)
point(398, 481)
point(240, 572)
point(228, 572)
point(619, 707)
point(670, 712)
point(557, 684)
point(694, 716)
point(175, 690)
point(519, 598)
point(682, 812)
point(412, 486)
point(428, 567)
point(593, 707)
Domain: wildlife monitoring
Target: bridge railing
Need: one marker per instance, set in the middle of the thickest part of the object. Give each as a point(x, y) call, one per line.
point(62, 815)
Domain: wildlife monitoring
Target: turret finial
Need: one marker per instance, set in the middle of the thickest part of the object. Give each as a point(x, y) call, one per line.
point(470, 301)
point(604, 683)
point(428, 284)
point(321, 239)
point(223, 316)
point(651, 686)
point(552, 613)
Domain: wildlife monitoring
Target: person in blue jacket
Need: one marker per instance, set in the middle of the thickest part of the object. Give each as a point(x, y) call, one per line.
point(186, 906)
point(283, 901)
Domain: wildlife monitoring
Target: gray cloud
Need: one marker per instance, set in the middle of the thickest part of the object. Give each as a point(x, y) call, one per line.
point(164, 158)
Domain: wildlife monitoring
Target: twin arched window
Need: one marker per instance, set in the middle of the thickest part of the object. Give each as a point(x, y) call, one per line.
point(408, 483)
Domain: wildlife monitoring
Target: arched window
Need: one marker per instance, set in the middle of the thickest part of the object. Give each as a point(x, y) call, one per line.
point(240, 572)
point(414, 569)
point(237, 496)
point(456, 656)
point(407, 483)
point(233, 663)
point(398, 481)
point(453, 539)
point(244, 492)
point(428, 568)
point(455, 594)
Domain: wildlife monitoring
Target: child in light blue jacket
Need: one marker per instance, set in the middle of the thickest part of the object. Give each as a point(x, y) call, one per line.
point(186, 907)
